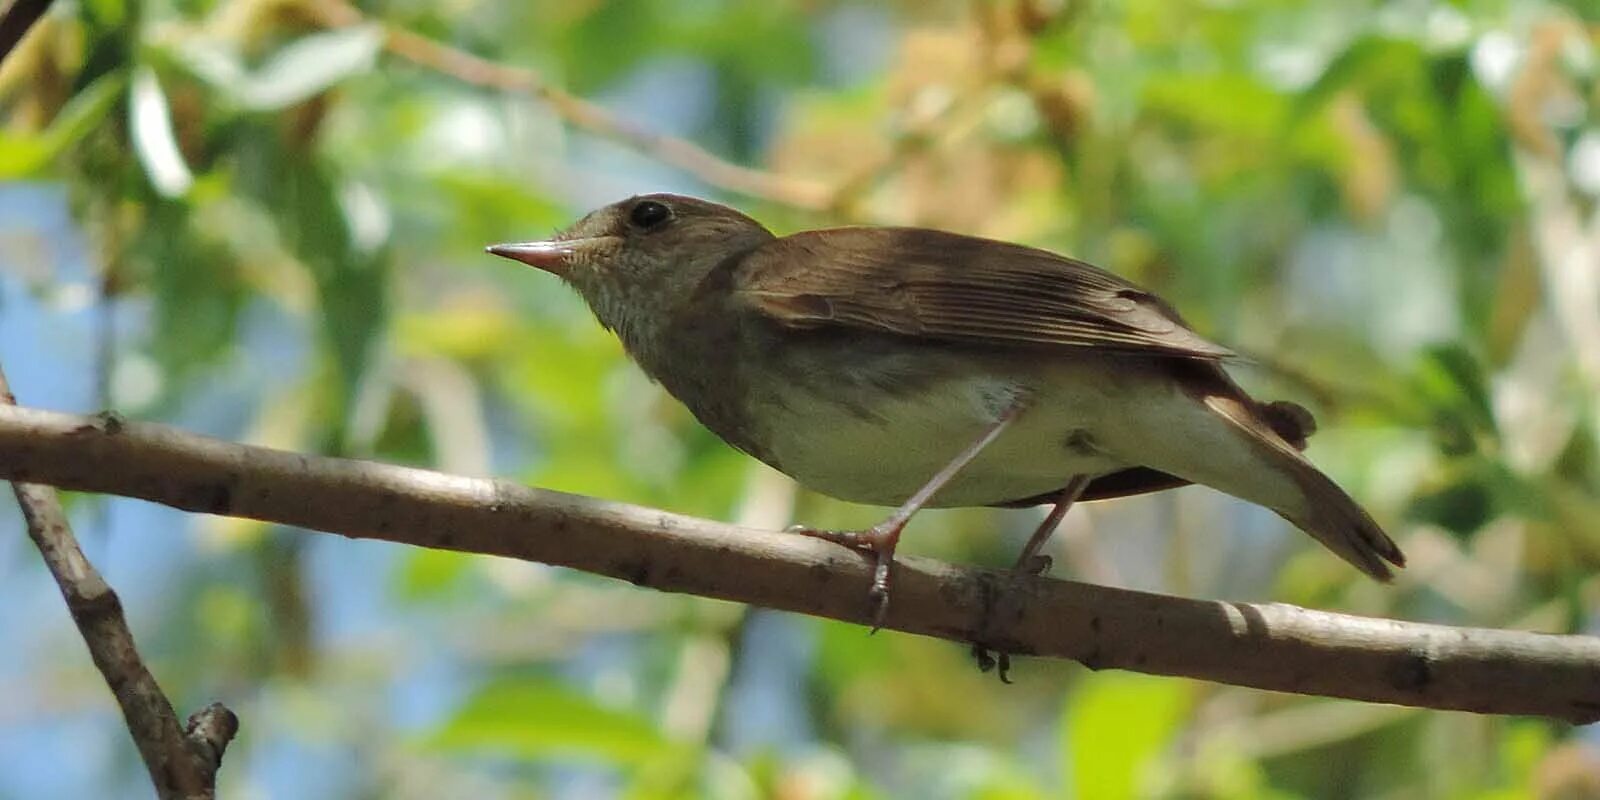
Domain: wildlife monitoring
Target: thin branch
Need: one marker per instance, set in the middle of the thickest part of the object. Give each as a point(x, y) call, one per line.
point(592, 117)
point(839, 201)
point(1266, 646)
point(182, 762)
point(17, 20)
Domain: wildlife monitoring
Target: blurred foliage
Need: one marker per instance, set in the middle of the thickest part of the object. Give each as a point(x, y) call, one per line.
point(1391, 206)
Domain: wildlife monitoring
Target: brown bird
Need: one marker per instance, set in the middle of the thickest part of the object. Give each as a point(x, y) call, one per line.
point(917, 368)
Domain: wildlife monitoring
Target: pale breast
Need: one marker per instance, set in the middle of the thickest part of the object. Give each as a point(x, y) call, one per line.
point(876, 439)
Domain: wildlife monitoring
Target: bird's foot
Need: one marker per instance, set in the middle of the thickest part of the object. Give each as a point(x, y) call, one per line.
point(870, 539)
point(1033, 566)
point(990, 659)
point(880, 540)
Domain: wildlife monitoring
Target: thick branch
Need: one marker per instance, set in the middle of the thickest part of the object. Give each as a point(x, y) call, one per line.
point(1270, 646)
point(182, 762)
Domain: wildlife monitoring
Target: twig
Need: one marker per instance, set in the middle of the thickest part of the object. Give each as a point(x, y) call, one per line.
point(592, 117)
point(17, 20)
point(1267, 646)
point(182, 762)
point(838, 201)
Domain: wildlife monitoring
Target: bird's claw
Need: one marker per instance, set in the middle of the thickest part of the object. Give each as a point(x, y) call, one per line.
point(1027, 565)
point(878, 540)
point(878, 595)
point(1037, 565)
point(990, 659)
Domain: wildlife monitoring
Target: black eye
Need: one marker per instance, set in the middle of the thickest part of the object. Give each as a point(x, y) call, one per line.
point(648, 214)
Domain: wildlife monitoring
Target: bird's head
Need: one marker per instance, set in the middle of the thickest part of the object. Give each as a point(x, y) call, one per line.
point(636, 260)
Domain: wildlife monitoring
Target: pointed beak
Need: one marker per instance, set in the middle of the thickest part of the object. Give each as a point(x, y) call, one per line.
point(550, 256)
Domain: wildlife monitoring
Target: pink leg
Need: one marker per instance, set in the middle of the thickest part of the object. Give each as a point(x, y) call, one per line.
point(882, 538)
point(1029, 561)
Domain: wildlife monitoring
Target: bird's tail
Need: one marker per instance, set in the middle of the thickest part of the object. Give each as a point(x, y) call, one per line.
point(1251, 450)
point(1316, 505)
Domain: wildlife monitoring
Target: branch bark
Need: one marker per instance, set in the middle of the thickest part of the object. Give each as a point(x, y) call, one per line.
point(17, 20)
point(182, 762)
point(1266, 646)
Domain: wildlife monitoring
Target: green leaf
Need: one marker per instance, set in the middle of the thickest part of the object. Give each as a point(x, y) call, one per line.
point(1454, 386)
point(1228, 103)
point(1368, 55)
point(430, 574)
point(198, 289)
point(611, 38)
point(352, 284)
point(537, 719)
point(1116, 725)
point(23, 156)
point(1461, 506)
point(300, 70)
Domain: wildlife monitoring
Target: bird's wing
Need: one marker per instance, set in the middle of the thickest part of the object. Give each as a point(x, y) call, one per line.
point(916, 282)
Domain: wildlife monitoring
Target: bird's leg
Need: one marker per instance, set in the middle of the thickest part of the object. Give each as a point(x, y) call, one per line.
point(882, 538)
point(1030, 562)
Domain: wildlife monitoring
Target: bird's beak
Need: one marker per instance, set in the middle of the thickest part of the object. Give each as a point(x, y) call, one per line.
point(551, 255)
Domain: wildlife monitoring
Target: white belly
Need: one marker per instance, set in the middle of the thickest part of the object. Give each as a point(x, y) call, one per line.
point(885, 456)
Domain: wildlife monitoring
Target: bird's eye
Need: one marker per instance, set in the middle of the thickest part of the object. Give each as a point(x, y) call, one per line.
point(649, 214)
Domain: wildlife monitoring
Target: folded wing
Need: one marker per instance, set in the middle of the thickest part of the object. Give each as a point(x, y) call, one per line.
point(926, 283)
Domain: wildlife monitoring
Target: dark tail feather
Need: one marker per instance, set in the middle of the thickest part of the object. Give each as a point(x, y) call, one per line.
point(1325, 511)
point(1342, 525)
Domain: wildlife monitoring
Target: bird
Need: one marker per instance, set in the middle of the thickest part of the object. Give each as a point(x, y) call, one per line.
point(917, 368)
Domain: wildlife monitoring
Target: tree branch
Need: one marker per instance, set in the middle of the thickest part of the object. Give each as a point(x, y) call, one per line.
point(182, 762)
point(592, 117)
point(17, 20)
point(1267, 646)
point(841, 200)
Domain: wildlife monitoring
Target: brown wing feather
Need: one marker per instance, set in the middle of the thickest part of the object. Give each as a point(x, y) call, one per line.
point(917, 282)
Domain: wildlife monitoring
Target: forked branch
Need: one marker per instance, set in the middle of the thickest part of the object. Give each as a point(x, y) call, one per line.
point(182, 759)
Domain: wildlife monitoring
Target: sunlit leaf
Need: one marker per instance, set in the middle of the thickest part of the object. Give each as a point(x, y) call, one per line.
point(150, 128)
point(428, 574)
point(536, 719)
point(1230, 103)
point(303, 68)
point(23, 155)
point(1367, 56)
point(1115, 726)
